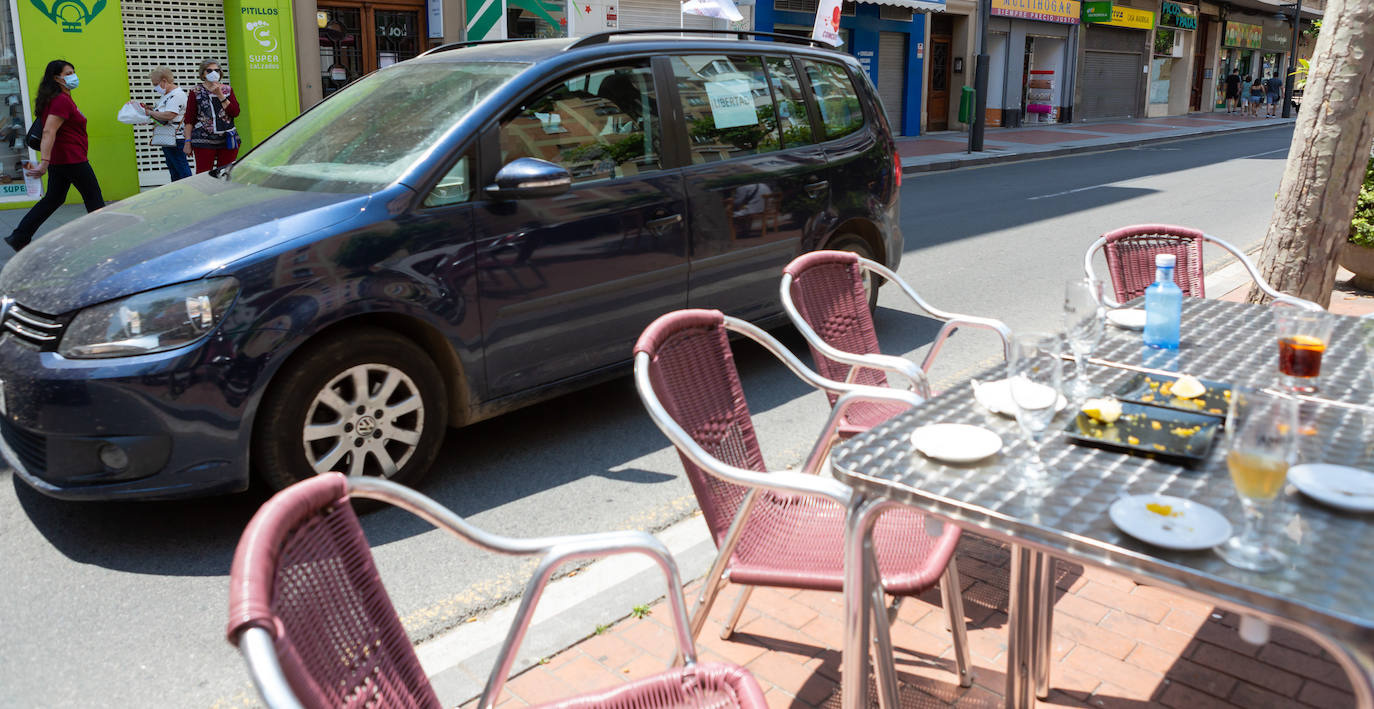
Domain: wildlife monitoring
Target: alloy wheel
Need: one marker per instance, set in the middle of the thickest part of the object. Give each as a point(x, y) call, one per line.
point(365, 421)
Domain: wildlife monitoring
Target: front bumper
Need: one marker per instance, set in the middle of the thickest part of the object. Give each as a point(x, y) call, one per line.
point(167, 415)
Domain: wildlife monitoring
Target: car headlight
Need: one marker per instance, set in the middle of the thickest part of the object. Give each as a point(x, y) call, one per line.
point(154, 321)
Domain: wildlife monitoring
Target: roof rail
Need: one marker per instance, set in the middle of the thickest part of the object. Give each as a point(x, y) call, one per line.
point(470, 43)
point(604, 37)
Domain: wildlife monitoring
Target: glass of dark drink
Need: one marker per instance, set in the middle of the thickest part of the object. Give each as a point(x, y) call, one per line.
point(1303, 337)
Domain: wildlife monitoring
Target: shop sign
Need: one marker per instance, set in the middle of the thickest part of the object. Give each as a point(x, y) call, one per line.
point(1276, 36)
point(1097, 11)
point(1063, 11)
point(70, 16)
point(1178, 15)
point(1131, 17)
point(262, 65)
point(1239, 34)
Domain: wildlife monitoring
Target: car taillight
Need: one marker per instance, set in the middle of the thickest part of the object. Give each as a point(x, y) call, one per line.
point(897, 167)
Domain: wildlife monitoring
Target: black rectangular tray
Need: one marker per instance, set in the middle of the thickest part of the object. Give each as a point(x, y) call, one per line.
point(1155, 431)
point(1149, 389)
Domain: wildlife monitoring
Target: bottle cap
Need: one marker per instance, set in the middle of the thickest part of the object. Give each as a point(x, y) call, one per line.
point(1165, 260)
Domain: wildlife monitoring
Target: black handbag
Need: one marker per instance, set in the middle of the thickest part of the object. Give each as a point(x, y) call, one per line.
point(35, 137)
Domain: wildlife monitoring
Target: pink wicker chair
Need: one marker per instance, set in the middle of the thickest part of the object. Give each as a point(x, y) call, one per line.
point(784, 529)
point(823, 294)
point(1131, 251)
point(311, 617)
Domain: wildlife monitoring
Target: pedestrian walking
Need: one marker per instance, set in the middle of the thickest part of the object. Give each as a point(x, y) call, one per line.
point(169, 113)
point(1273, 88)
point(63, 151)
point(1232, 90)
point(210, 113)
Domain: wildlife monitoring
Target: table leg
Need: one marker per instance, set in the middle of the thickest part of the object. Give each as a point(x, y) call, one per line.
point(1043, 618)
point(1020, 627)
point(858, 596)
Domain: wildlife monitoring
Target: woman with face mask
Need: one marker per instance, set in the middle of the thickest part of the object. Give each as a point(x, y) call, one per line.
point(169, 112)
point(210, 116)
point(63, 152)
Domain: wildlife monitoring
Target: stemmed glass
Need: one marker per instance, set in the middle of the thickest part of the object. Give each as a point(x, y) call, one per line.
point(1261, 443)
point(1035, 376)
point(1083, 313)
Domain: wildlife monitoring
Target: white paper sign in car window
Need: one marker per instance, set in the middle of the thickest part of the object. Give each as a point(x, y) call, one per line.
point(732, 103)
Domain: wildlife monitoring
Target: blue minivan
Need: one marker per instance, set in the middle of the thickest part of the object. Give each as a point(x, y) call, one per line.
point(447, 239)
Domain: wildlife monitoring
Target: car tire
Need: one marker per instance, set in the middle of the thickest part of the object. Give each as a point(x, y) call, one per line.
point(315, 418)
point(855, 244)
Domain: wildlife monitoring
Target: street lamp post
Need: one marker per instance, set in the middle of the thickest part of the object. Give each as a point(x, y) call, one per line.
point(980, 80)
point(1292, 61)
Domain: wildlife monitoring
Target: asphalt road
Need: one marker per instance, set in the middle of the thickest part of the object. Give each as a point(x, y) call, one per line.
point(124, 604)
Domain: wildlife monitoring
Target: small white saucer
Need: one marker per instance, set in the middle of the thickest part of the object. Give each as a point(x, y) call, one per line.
point(995, 396)
point(1340, 486)
point(956, 442)
point(1127, 319)
point(1187, 526)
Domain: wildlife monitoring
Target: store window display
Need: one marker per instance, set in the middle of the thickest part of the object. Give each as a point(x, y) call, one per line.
point(15, 118)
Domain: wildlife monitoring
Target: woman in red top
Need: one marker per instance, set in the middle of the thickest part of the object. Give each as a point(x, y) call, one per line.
point(64, 152)
point(210, 120)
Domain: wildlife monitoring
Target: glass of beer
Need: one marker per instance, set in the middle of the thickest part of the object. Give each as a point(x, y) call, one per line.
point(1303, 336)
point(1261, 443)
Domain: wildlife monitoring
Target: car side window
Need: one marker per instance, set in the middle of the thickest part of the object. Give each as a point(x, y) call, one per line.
point(793, 119)
point(839, 103)
point(598, 125)
point(726, 105)
point(454, 187)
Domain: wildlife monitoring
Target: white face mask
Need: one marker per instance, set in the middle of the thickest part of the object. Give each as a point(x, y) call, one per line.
point(157, 89)
point(212, 76)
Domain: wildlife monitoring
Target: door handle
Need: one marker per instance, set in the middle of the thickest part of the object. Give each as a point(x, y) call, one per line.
point(815, 188)
point(663, 222)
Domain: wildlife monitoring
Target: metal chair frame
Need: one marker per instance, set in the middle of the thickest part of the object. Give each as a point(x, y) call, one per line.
point(258, 648)
point(860, 513)
point(1186, 234)
point(915, 376)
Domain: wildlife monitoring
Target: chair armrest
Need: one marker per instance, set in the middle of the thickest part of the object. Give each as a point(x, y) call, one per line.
point(914, 375)
point(820, 451)
point(1263, 285)
point(973, 321)
point(259, 650)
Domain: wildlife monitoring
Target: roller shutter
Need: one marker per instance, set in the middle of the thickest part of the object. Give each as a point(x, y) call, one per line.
point(892, 77)
point(174, 33)
point(655, 14)
point(1112, 61)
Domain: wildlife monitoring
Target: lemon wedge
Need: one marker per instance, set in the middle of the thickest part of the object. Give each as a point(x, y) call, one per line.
point(1104, 410)
point(1188, 387)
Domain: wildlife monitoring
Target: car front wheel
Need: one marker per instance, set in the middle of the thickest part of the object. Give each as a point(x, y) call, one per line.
point(367, 403)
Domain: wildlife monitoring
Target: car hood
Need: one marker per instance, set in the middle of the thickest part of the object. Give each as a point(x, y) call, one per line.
point(179, 232)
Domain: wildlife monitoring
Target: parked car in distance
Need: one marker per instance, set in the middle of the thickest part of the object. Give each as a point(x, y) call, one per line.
point(452, 237)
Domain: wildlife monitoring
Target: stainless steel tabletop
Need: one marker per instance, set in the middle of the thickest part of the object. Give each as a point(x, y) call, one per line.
point(1328, 582)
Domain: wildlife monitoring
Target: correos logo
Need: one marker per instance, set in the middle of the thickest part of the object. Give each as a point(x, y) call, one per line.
point(261, 31)
point(70, 15)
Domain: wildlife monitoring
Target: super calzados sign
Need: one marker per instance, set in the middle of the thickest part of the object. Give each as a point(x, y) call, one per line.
point(1064, 11)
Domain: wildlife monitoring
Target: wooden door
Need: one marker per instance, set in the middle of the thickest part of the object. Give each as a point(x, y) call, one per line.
point(1199, 64)
point(361, 37)
point(937, 99)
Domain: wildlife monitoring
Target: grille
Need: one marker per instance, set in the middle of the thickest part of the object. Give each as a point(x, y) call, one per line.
point(32, 448)
point(41, 331)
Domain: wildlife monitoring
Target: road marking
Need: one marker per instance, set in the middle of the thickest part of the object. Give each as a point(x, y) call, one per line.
point(1260, 155)
point(1060, 194)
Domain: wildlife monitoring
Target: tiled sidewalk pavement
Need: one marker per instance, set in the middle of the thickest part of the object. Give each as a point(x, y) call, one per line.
point(1116, 644)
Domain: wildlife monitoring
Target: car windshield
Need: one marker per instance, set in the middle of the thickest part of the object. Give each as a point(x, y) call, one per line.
point(367, 135)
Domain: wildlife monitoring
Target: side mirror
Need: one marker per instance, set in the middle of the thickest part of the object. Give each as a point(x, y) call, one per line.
point(524, 178)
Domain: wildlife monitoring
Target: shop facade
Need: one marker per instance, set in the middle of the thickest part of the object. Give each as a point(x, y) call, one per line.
point(1174, 57)
point(1253, 45)
point(1031, 46)
point(1118, 51)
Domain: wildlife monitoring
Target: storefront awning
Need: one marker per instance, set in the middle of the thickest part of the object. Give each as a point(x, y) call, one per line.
point(913, 5)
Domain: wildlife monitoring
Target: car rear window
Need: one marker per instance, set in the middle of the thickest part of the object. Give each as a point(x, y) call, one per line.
point(726, 105)
point(841, 112)
point(368, 134)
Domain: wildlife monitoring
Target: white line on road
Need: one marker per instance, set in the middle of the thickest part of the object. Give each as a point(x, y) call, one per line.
point(1060, 194)
point(1260, 155)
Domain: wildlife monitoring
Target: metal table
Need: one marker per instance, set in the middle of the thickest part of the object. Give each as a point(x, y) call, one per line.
point(1326, 592)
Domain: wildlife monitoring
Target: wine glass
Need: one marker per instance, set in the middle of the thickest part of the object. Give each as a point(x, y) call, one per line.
point(1083, 327)
point(1261, 443)
point(1035, 376)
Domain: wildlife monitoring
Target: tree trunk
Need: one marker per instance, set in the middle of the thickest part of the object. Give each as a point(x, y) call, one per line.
point(1326, 162)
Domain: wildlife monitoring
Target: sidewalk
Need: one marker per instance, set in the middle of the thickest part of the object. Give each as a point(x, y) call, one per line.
point(948, 150)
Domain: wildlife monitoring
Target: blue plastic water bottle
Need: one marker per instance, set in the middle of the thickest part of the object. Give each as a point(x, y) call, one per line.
point(1163, 306)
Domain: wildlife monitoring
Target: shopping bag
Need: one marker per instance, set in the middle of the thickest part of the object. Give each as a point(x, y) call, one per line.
point(132, 114)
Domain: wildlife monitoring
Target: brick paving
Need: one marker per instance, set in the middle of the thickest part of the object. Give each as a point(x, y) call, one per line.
point(1116, 644)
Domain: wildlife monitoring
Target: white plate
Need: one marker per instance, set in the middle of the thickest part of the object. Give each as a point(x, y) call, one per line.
point(995, 396)
point(956, 442)
point(1128, 319)
point(1189, 526)
point(1336, 485)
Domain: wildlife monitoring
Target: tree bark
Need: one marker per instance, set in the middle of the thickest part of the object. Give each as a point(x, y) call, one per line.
point(1326, 161)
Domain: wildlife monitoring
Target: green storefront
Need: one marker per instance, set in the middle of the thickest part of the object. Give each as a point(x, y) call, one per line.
point(112, 44)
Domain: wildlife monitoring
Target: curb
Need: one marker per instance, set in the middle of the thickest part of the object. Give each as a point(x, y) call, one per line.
point(1033, 154)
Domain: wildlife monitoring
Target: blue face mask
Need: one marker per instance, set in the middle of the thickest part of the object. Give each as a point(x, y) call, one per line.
point(71, 81)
